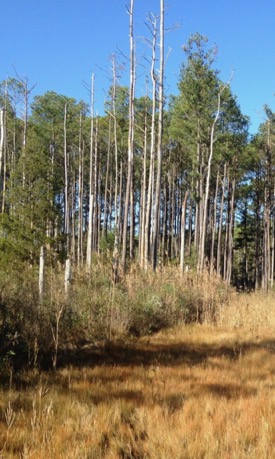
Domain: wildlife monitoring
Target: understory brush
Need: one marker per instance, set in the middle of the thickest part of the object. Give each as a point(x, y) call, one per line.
point(158, 365)
point(36, 330)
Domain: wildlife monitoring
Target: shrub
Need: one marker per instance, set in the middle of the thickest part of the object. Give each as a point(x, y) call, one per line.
point(96, 308)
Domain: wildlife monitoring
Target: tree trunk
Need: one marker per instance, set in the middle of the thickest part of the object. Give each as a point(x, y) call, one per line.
point(148, 214)
point(105, 219)
point(182, 243)
point(129, 182)
point(143, 198)
point(214, 229)
point(80, 196)
point(231, 234)
point(91, 195)
point(159, 143)
point(41, 272)
point(219, 244)
point(66, 185)
point(67, 275)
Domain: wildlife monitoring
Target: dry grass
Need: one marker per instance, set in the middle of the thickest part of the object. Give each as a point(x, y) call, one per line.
point(252, 311)
point(190, 392)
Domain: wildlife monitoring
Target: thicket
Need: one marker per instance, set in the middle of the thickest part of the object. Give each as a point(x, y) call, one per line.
point(35, 331)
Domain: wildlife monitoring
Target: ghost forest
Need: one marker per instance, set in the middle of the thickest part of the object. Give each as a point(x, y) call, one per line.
point(101, 216)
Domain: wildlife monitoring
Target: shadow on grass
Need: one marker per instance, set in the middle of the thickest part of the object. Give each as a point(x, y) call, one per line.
point(100, 373)
point(140, 354)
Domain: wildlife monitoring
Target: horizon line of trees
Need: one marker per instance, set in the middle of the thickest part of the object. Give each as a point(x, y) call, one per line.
point(155, 179)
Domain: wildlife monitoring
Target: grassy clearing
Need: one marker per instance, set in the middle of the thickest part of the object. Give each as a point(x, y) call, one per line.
point(194, 391)
point(157, 366)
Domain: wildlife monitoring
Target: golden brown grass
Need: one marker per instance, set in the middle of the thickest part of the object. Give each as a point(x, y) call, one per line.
point(190, 392)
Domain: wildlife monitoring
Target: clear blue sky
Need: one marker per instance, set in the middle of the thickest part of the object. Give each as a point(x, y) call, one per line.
point(59, 43)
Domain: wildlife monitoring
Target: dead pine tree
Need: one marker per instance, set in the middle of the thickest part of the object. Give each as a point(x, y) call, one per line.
point(41, 272)
point(80, 194)
point(152, 25)
point(91, 189)
point(182, 243)
point(129, 182)
point(201, 258)
point(2, 137)
point(159, 141)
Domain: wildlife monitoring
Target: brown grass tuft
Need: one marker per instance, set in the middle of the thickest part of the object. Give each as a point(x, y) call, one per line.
point(189, 392)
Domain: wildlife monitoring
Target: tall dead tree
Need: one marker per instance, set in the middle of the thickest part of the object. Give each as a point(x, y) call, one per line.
point(207, 185)
point(80, 194)
point(148, 215)
point(143, 191)
point(2, 137)
point(159, 143)
point(129, 182)
point(182, 244)
point(91, 190)
point(66, 183)
point(41, 272)
point(114, 74)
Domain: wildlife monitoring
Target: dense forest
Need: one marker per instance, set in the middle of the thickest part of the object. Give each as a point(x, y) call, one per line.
point(156, 181)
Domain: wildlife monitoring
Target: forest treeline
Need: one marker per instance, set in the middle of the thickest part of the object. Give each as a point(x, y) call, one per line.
point(64, 176)
point(156, 180)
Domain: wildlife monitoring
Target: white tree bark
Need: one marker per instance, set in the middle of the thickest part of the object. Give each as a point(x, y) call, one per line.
point(91, 195)
point(148, 214)
point(41, 272)
point(67, 276)
point(130, 138)
point(206, 196)
point(2, 133)
point(159, 143)
point(182, 244)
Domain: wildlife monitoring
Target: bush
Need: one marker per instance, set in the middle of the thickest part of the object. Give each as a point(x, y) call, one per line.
point(96, 309)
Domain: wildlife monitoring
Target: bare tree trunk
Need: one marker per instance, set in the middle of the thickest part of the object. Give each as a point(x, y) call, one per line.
point(2, 158)
point(96, 191)
point(272, 247)
point(152, 148)
point(24, 82)
point(165, 242)
point(182, 243)
point(2, 131)
point(159, 143)
point(172, 217)
point(99, 209)
point(106, 181)
point(80, 196)
point(231, 233)
point(130, 139)
point(225, 251)
point(72, 223)
point(67, 275)
point(3, 148)
point(198, 206)
point(66, 184)
point(206, 197)
point(132, 220)
point(214, 229)
point(143, 197)
point(91, 195)
point(120, 223)
point(115, 141)
point(266, 242)
point(41, 272)
point(219, 245)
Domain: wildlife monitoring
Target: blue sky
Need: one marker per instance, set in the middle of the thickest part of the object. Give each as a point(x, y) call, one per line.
point(58, 44)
